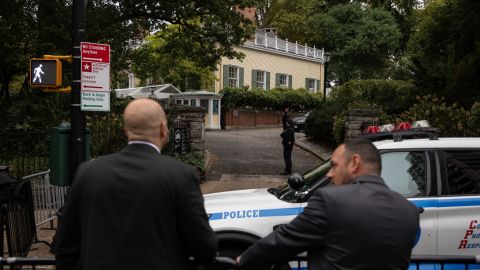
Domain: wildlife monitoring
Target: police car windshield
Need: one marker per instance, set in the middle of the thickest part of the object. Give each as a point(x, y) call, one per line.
point(317, 175)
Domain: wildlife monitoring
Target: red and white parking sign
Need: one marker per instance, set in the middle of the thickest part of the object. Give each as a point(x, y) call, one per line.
point(95, 91)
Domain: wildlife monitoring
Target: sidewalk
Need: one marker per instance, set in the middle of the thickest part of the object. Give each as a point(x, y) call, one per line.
point(321, 151)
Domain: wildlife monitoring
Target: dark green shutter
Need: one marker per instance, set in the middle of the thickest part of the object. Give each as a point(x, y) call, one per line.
point(277, 79)
point(267, 80)
point(318, 85)
point(289, 81)
point(254, 79)
point(240, 77)
point(306, 83)
point(225, 76)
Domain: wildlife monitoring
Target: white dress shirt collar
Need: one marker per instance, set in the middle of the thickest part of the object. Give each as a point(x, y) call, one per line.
point(147, 143)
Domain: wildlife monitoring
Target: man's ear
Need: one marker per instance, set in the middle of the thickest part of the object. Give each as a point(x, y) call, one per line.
point(355, 163)
point(163, 130)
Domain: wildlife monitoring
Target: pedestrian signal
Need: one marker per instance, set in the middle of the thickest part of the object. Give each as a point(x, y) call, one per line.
point(45, 73)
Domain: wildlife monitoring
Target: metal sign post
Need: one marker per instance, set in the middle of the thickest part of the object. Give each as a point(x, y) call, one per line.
point(78, 117)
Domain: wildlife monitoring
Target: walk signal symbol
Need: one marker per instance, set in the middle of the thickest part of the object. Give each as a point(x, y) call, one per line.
point(45, 73)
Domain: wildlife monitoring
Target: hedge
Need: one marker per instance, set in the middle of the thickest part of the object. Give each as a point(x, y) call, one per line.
point(274, 99)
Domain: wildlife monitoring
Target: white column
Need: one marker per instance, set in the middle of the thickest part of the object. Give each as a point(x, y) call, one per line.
point(219, 113)
point(210, 112)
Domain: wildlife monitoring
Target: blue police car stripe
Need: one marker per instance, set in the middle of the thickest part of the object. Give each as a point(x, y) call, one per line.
point(278, 212)
point(447, 266)
point(447, 202)
point(427, 203)
point(459, 202)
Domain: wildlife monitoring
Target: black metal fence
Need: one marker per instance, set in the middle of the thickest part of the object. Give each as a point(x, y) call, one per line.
point(24, 153)
point(225, 263)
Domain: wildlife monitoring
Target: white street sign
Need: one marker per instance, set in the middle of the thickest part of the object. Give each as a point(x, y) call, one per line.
point(95, 91)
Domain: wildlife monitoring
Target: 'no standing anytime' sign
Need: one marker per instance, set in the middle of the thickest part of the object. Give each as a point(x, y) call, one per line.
point(95, 93)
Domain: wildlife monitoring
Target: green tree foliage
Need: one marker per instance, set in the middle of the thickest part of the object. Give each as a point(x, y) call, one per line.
point(16, 21)
point(153, 60)
point(361, 40)
point(445, 50)
point(395, 96)
point(292, 19)
point(206, 30)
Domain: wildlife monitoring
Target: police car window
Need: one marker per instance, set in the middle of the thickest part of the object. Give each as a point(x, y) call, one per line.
point(405, 172)
point(463, 172)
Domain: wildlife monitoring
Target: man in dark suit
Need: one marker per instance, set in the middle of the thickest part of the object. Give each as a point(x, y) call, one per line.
point(357, 223)
point(135, 209)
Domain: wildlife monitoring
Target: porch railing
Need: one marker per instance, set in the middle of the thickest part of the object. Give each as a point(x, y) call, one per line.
point(274, 43)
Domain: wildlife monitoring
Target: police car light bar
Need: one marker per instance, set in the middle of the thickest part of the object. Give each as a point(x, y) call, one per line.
point(418, 129)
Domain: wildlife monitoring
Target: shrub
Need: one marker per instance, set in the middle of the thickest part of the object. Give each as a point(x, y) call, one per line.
point(452, 120)
point(475, 123)
point(394, 96)
point(319, 123)
point(274, 99)
point(340, 118)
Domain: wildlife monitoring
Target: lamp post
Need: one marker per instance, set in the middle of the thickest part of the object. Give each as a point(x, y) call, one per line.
point(326, 58)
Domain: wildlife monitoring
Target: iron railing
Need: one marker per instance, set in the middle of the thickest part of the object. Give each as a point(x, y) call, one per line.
point(47, 198)
point(24, 153)
point(274, 43)
point(225, 263)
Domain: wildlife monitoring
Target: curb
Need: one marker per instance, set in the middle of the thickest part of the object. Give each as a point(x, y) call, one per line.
point(309, 149)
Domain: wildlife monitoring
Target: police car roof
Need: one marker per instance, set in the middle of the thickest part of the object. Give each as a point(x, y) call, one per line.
point(457, 142)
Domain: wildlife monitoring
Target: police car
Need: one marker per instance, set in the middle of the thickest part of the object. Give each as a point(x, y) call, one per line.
point(441, 176)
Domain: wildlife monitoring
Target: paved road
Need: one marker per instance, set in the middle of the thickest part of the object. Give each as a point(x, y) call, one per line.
point(251, 152)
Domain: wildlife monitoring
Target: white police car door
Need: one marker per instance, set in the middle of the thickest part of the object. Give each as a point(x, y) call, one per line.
point(459, 204)
point(410, 173)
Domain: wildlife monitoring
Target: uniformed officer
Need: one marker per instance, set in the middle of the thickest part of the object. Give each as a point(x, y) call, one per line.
point(288, 140)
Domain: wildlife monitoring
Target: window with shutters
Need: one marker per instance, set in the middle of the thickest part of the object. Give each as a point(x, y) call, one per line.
point(283, 80)
point(233, 76)
point(260, 79)
point(311, 85)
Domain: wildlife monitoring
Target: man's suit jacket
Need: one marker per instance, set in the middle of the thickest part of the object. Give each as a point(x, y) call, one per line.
point(135, 209)
point(361, 225)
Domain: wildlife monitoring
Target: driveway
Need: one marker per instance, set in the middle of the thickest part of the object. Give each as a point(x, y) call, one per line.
point(251, 152)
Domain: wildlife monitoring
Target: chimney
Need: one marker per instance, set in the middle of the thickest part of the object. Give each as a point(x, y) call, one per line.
point(248, 13)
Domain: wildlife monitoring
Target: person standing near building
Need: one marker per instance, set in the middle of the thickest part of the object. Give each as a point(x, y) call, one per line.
point(288, 140)
point(135, 209)
point(285, 117)
point(357, 223)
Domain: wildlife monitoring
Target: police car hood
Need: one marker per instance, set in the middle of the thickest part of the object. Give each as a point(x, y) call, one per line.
point(237, 196)
point(243, 200)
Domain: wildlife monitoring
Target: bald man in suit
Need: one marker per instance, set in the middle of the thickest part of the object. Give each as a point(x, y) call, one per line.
point(135, 209)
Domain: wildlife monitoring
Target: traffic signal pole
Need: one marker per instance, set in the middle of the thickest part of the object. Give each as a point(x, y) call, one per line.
point(77, 115)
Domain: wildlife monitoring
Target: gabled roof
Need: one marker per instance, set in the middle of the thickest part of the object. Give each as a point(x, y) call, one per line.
point(196, 94)
point(161, 91)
